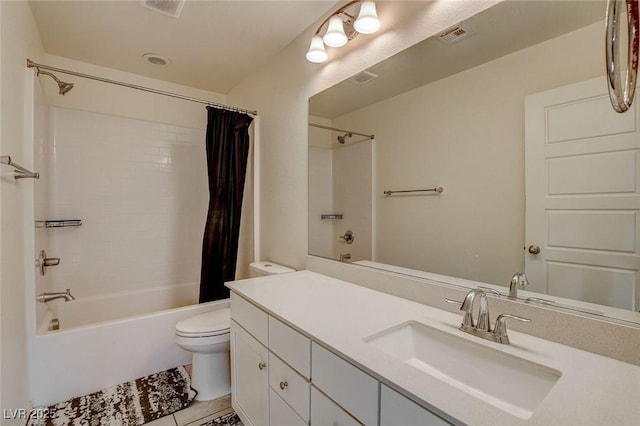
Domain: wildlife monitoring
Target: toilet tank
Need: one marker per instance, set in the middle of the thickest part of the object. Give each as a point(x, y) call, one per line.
point(260, 269)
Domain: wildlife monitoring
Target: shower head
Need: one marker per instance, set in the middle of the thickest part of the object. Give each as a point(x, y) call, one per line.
point(342, 140)
point(62, 86)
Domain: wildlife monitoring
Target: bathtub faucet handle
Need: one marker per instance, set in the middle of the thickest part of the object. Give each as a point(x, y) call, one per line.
point(44, 262)
point(48, 297)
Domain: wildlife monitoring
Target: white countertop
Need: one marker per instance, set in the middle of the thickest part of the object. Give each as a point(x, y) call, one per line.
point(593, 390)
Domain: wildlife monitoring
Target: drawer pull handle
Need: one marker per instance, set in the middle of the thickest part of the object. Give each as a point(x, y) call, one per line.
point(262, 365)
point(283, 385)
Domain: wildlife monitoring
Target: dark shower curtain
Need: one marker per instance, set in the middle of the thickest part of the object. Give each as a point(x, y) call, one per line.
point(227, 151)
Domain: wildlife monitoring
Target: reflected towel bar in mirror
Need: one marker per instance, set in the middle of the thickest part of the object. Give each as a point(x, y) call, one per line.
point(438, 189)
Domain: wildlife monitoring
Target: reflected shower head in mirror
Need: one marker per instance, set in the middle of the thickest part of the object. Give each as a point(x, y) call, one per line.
point(342, 140)
point(62, 86)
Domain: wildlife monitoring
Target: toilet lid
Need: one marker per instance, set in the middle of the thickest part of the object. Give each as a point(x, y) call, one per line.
point(207, 324)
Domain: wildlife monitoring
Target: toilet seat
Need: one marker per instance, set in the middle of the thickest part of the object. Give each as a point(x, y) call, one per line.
point(208, 324)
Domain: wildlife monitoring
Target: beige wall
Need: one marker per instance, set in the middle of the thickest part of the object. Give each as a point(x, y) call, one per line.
point(466, 133)
point(280, 93)
point(19, 40)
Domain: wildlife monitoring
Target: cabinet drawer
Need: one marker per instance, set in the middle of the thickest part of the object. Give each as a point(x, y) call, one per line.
point(280, 414)
point(325, 412)
point(291, 346)
point(349, 387)
point(250, 317)
point(397, 410)
point(291, 386)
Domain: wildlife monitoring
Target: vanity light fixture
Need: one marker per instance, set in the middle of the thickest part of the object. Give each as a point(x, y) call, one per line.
point(343, 26)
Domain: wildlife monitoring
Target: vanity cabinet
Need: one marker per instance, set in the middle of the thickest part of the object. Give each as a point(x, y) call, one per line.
point(281, 378)
point(249, 377)
point(270, 368)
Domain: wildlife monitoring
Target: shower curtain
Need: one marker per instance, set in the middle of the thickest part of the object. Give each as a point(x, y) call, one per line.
point(227, 143)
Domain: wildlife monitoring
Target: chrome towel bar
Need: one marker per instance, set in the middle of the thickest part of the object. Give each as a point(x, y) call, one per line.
point(438, 189)
point(21, 172)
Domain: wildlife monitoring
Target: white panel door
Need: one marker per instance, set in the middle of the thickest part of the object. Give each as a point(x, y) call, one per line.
point(582, 195)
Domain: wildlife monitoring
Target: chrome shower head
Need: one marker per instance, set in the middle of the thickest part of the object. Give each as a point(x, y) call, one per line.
point(62, 86)
point(342, 140)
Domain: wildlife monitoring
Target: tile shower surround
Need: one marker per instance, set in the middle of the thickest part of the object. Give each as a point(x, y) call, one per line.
point(140, 189)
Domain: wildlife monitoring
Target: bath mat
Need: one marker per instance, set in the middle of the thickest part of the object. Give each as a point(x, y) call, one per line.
point(133, 403)
point(230, 419)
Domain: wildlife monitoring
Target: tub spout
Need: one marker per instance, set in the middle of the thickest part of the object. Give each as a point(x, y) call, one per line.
point(48, 297)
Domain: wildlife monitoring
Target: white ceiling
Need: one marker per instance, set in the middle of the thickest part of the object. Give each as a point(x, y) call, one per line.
point(213, 45)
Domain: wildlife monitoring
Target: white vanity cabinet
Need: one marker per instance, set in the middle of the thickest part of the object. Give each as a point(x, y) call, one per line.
point(281, 378)
point(270, 368)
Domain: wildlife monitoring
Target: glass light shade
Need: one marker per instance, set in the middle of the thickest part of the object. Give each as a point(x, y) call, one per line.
point(316, 53)
point(335, 36)
point(367, 21)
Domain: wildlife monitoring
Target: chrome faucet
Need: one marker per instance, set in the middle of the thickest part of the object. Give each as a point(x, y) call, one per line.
point(483, 314)
point(48, 297)
point(518, 279)
point(483, 326)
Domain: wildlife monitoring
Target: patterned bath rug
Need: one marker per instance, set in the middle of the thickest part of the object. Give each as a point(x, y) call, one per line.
point(230, 419)
point(128, 404)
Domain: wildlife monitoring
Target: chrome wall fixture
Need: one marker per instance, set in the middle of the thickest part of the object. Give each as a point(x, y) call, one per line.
point(20, 172)
point(437, 189)
point(621, 92)
point(31, 64)
point(335, 129)
point(356, 17)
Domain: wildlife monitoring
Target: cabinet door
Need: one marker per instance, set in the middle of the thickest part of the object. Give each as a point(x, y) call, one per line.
point(397, 410)
point(348, 386)
point(325, 412)
point(280, 414)
point(249, 378)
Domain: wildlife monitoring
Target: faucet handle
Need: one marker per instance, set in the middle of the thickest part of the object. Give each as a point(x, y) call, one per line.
point(500, 330)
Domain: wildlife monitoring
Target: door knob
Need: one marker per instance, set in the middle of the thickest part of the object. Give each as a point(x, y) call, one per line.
point(533, 249)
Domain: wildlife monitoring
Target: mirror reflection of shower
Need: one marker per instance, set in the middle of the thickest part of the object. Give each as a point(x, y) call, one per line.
point(63, 86)
point(342, 140)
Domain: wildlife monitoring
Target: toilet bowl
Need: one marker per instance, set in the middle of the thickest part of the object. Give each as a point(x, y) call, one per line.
point(206, 336)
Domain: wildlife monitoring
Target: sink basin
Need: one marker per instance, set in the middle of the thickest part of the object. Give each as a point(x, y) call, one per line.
point(515, 385)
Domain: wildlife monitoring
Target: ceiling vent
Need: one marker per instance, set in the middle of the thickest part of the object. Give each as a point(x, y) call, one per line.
point(363, 77)
point(166, 7)
point(454, 35)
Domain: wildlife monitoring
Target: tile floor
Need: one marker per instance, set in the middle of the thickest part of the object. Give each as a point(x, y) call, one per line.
point(197, 413)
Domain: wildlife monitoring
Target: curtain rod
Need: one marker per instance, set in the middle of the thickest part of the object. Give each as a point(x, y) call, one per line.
point(31, 64)
point(320, 126)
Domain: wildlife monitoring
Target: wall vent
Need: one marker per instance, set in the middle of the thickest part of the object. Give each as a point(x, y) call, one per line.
point(166, 7)
point(363, 77)
point(454, 35)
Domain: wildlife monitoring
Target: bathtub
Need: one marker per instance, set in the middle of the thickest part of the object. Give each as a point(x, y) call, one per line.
point(85, 356)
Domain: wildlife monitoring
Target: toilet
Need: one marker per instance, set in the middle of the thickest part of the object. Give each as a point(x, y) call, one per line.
point(206, 336)
point(261, 269)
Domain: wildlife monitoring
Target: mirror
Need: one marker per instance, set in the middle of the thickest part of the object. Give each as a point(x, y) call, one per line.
point(450, 112)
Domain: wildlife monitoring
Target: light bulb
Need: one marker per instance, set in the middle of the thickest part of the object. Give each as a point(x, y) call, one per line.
point(335, 36)
point(367, 22)
point(316, 53)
